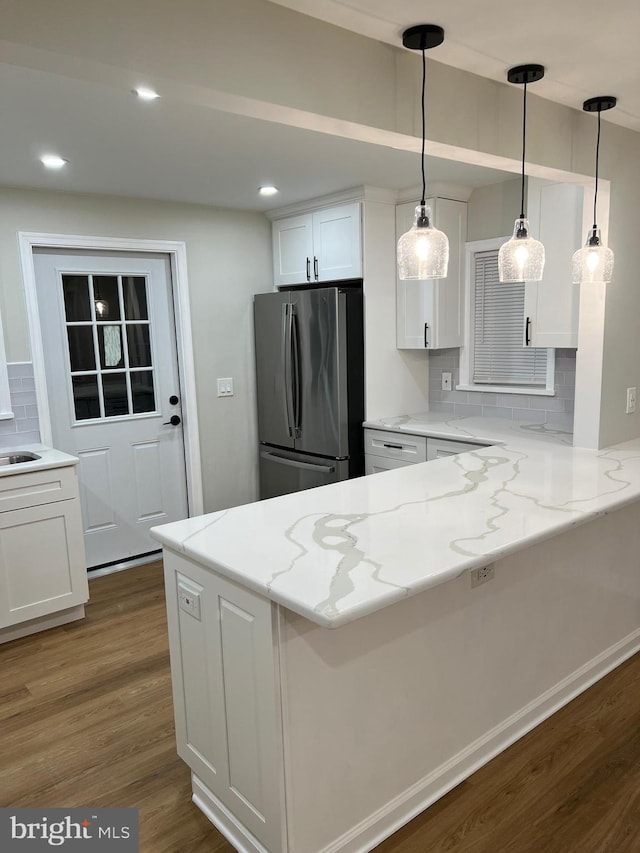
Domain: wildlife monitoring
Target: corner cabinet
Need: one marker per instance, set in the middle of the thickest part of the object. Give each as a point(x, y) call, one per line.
point(323, 245)
point(43, 570)
point(429, 312)
point(551, 306)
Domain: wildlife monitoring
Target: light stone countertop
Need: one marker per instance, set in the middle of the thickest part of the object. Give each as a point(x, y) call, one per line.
point(49, 458)
point(339, 552)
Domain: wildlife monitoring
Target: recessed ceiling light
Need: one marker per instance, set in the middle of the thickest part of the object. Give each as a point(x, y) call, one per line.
point(146, 94)
point(269, 190)
point(53, 161)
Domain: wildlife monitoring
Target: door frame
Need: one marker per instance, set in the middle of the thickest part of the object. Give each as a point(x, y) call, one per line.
point(177, 252)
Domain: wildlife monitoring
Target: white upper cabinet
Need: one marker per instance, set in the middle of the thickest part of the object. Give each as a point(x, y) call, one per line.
point(324, 245)
point(551, 306)
point(429, 313)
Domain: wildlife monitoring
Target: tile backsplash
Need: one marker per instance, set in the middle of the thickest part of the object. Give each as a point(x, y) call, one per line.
point(518, 407)
point(24, 427)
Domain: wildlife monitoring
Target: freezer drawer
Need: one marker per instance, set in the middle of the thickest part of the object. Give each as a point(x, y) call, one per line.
point(283, 472)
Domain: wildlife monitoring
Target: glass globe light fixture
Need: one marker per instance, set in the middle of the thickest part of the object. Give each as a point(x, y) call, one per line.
point(423, 252)
point(594, 262)
point(522, 257)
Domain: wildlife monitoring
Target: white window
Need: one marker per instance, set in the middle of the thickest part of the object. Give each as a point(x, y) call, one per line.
point(6, 411)
point(495, 357)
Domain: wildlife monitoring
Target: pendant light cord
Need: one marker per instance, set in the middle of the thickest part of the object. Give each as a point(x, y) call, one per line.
point(595, 194)
point(524, 138)
point(424, 79)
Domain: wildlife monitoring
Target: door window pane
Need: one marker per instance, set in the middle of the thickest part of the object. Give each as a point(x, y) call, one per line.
point(139, 345)
point(105, 294)
point(110, 347)
point(85, 397)
point(81, 350)
point(135, 297)
point(76, 297)
point(142, 391)
point(114, 389)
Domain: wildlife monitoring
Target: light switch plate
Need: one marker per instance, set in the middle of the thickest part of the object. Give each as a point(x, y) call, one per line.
point(225, 387)
point(631, 400)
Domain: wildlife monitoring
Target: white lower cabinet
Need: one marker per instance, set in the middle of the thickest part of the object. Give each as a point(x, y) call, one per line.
point(42, 562)
point(387, 450)
point(225, 694)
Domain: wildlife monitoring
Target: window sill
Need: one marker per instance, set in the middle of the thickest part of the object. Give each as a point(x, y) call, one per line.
point(509, 389)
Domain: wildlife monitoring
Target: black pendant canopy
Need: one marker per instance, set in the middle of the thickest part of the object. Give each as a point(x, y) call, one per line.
point(423, 37)
point(600, 104)
point(522, 74)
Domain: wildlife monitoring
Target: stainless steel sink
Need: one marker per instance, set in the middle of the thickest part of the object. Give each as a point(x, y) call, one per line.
point(17, 458)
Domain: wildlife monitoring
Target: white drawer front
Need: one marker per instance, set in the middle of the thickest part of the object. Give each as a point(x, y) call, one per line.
point(18, 491)
point(437, 448)
point(393, 445)
point(375, 464)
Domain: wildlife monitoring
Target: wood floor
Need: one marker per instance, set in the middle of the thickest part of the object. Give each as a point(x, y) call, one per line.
point(86, 719)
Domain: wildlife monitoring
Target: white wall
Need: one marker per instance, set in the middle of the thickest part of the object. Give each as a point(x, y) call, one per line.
point(491, 210)
point(229, 259)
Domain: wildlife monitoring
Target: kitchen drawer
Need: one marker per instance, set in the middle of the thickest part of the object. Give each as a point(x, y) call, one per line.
point(375, 464)
point(437, 448)
point(18, 491)
point(393, 445)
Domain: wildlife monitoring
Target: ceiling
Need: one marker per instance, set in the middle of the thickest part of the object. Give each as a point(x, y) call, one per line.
point(176, 150)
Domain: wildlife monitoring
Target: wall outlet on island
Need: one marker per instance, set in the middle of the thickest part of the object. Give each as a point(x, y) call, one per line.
point(631, 400)
point(482, 575)
point(446, 382)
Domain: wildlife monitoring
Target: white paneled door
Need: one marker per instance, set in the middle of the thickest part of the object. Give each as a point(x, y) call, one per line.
point(109, 344)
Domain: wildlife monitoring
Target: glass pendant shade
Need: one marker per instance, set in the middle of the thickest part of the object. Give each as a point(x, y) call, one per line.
point(594, 262)
point(521, 258)
point(423, 252)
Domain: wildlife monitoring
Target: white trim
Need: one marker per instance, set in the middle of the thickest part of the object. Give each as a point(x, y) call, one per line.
point(374, 829)
point(177, 251)
point(465, 383)
point(224, 820)
point(42, 623)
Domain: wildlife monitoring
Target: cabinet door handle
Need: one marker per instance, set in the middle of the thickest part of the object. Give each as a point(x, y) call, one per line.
point(527, 332)
point(308, 269)
point(426, 329)
point(315, 268)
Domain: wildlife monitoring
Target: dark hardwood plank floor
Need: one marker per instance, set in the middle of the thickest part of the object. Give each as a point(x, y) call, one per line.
point(86, 719)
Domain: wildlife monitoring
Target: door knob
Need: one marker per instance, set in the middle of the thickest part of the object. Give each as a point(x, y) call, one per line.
point(174, 420)
point(173, 400)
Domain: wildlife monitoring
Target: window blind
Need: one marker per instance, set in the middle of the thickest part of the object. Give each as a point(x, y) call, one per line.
point(499, 358)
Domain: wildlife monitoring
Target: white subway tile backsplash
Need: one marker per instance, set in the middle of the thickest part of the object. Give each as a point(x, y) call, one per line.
point(24, 427)
point(557, 409)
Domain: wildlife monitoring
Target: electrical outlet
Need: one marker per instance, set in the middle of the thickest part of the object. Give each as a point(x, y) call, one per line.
point(446, 382)
point(189, 601)
point(631, 400)
point(482, 575)
point(225, 387)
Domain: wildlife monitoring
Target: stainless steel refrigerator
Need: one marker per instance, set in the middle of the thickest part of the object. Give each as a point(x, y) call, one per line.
point(310, 377)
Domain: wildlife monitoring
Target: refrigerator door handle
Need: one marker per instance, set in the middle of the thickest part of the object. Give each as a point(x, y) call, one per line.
point(287, 324)
point(295, 375)
point(306, 466)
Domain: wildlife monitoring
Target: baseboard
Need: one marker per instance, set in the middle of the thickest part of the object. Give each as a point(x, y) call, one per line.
point(414, 800)
point(33, 626)
point(220, 816)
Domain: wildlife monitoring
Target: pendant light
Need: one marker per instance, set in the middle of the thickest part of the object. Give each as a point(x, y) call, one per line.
point(423, 252)
point(522, 258)
point(594, 262)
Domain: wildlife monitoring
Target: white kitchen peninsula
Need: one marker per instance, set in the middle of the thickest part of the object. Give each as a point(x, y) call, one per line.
point(303, 739)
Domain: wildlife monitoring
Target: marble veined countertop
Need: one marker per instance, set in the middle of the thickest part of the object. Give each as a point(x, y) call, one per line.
point(339, 552)
point(48, 458)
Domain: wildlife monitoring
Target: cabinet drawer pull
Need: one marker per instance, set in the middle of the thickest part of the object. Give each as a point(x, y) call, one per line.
point(393, 446)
